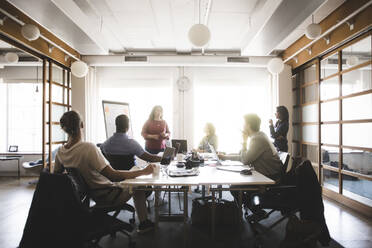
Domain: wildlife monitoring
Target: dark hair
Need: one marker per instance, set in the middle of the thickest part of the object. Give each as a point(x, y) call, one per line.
point(70, 122)
point(122, 123)
point(151, 117)
point(283, 113)
point(254, 121)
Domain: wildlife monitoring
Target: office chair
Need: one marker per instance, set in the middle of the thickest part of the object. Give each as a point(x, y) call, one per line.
point(124, 162)
point(299, 192)
point(58, 218)
point(85, 195)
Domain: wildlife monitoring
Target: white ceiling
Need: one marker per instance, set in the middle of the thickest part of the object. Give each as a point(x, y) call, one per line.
point(249, 27)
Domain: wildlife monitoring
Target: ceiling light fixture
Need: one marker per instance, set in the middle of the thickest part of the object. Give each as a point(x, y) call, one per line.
point(11, 57)
point(199, 34)
point(30, 32)
point(313, 31)
point(275, 65)
point(79, 69)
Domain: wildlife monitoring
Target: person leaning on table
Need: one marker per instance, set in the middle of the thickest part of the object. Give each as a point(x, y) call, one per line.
point(88, 160)
point(261, 154)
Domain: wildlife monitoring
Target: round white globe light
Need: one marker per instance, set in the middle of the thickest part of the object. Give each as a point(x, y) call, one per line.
point(79, 69)
point(11, 57)
point(30, 32)
point(275, 65)
point(352, 61)
point(313, 31)
point(199, 35)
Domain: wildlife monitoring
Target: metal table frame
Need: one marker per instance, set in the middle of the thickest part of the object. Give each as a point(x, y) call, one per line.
point(13, 157)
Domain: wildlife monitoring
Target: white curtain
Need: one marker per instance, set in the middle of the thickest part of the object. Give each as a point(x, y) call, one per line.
point(92, 106)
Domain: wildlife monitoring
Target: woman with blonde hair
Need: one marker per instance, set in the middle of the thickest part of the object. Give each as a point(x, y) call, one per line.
point(155, 131)
point(210, 138)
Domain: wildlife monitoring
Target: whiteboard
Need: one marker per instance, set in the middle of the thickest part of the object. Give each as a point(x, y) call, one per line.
point(110, 111)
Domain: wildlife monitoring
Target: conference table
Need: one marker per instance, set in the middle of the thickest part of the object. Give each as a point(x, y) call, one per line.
point(209, 177)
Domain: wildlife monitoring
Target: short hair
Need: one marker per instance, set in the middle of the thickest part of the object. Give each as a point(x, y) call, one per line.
point(283, 113)
point(254, 121)
point(70, 122)
point(122, 123)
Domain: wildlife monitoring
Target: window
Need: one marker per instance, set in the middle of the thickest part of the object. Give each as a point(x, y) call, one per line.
point(21, 105)
point(225, 102)
point(346, 119)
point(142, 96)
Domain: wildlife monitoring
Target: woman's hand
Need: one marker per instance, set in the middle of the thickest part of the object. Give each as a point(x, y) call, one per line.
point(221, 156)
point(271, 122)
point(245, 136)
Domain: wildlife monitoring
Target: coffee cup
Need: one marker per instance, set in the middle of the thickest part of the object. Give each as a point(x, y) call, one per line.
point(156, 171)
point(179, 157)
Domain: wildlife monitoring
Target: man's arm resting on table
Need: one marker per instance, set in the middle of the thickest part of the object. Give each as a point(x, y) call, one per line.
point(149, 157)
point(120, 175)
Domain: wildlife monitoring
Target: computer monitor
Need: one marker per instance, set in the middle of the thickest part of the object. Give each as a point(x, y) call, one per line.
point(182, 147)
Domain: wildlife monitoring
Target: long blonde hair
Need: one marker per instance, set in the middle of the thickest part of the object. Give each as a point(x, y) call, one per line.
point(152, 114)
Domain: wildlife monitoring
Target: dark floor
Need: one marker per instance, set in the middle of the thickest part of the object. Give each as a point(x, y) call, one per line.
point(347, 228)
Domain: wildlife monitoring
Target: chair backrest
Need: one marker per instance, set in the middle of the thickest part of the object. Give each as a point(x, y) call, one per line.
point(120, 162)
point(80, 186)
point(56, 217)
point(284, 157)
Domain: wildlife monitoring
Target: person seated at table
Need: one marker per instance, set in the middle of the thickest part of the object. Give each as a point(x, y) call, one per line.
point(210, 138)
point(87, 159)
point(280, 130)
point(120, 144)
point(261, 155)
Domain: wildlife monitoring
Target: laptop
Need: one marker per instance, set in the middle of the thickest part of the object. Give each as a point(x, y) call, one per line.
point(182, 144)
point(168, 155)
point(226, 162)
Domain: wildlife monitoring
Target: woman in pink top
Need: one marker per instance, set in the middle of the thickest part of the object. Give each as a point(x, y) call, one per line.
point(155, 131)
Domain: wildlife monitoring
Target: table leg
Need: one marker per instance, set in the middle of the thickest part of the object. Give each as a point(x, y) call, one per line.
point(213, 218)
point(186, 214)
point(203, 191)
point(157, 194)
point(220, 192)
point(240, 202)
point(169, 200)
point(19, 169)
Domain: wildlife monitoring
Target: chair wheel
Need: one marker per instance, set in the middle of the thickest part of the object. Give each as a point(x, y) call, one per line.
point(132, 221)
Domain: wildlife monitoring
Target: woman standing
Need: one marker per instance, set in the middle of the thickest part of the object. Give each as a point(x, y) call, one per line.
point(210, 138)
point(280, 130)
point(155, 131)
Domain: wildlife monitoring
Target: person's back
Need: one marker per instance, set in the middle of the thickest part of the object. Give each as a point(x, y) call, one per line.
point(85, 157)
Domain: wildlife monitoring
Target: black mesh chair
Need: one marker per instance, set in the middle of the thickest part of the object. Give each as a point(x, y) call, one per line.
point(58, 218)
point(124, 162)
point(85, 195)
point(299, 192)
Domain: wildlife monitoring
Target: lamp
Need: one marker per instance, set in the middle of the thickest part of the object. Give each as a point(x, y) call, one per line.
point(79, 69)
point(352, 61)
point(30, 32)
point(11, 57)
point(313, 31)
point(199, 34)
point(275, 65)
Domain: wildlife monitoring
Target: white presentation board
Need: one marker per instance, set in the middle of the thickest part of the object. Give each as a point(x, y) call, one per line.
point(110, 111)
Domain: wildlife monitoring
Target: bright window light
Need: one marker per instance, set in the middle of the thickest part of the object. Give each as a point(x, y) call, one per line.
point(141, 101)
point(224, 106)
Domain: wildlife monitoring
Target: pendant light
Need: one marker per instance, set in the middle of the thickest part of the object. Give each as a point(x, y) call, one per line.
point(313, 31)
point(199, 34)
